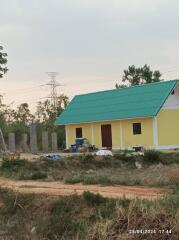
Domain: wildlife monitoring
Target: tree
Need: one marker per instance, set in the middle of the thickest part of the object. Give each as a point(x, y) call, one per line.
point(141, 75)
point(8, 122)
point(62, 101)
point(46, 113)
point(3, 61)
point(6, 113)
point(120, 85)
point(2, 111)
point(23, 114)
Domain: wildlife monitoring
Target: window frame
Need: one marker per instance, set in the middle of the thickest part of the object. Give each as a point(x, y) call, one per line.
point(137, 128)
point(79, 134)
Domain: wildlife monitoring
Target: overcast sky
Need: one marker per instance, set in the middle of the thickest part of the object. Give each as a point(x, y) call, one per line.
point(89, 42)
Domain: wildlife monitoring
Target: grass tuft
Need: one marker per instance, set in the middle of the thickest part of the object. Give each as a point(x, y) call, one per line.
point(38, 175)
point(152, 157)
point(94, 199)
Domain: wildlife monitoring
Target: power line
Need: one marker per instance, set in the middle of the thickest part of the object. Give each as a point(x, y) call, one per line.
point(27, 101)
point(23, 89)
point(21, 94)
point(176, 70)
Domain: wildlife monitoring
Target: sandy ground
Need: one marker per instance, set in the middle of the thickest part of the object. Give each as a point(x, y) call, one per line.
point(61, 189)
point(34, 157)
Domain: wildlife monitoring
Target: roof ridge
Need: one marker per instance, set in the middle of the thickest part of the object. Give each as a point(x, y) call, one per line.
point(134, 86)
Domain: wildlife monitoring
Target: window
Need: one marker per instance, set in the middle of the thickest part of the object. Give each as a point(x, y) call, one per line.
point(137, 128)
point(78, 132)
point(173, 92)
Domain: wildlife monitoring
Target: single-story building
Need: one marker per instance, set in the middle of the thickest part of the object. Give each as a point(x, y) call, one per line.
point(145, 115)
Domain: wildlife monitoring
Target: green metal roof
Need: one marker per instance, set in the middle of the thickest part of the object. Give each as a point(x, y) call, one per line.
point(131, 102)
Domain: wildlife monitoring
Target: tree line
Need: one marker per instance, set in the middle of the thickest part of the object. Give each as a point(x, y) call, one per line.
point(18, 120)
point(139, 75)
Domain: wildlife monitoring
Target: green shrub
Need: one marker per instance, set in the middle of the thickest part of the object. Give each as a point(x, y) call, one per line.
point(13, 164)
point(63, 221)
point(169, 158)
point(96, 180)
point(86, 217)
point(152, 157)
point(87, 158)
point(170, 202)
point(48, 164)
point(38, 175)
point(125, 158)
point(14, 202)
point(89, 180)
point(103, 180)
point(106, 209)
point(17, 168)
point(63, 205)
point(73, 180)
point(93, 199)
point(176, 188)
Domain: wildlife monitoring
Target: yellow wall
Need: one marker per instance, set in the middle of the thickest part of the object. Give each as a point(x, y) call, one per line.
point(116, 133)
point(97, 134)
point(87, 133)
point(129, 140)
point(168, 127)
point(145, 139)
point(71, 132)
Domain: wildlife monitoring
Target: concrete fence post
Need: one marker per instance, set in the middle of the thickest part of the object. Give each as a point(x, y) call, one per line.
point(54, 142)
point(45, 147)
point(24, 142)
point(33, 139)
point(12, 145)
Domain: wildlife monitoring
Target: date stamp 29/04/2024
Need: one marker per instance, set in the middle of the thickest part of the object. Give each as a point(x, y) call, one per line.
point(150, 231)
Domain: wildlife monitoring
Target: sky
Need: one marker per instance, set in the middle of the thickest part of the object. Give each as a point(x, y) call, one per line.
point(88, 42)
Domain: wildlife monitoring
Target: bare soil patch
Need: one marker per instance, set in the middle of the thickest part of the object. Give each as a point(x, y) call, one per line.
point(61, 189)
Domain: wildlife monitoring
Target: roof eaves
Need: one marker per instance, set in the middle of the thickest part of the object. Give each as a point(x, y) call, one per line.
point(107, 120)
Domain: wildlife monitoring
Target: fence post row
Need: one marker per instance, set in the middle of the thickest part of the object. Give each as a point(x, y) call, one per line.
point(24, 142)
point(11, 143)
point(54, 141)
point(33, 141)
point(45, 147)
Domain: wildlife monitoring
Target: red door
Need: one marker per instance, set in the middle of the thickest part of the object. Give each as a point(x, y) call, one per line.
point(106, 136)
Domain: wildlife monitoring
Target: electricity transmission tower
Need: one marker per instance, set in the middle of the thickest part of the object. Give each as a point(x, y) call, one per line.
point(53, 84)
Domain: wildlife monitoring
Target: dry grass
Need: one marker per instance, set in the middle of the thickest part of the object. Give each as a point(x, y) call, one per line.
point(88, 169)
point(154, 175)
point(87, 217)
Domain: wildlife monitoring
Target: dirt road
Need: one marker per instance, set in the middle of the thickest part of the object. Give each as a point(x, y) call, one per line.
point(61, 189)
